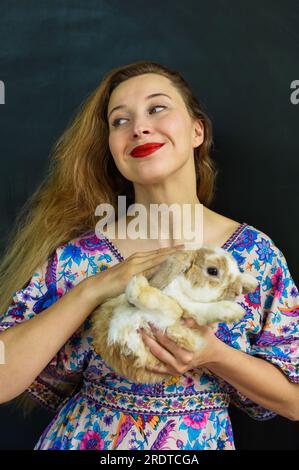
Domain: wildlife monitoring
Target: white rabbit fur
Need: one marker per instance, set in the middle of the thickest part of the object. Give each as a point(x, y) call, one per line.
point(183, 286)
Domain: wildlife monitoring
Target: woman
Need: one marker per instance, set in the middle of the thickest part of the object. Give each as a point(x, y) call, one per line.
point(58, 271)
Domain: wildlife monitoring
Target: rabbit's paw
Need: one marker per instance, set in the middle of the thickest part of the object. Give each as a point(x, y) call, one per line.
point(233, 312)
point(134, 287)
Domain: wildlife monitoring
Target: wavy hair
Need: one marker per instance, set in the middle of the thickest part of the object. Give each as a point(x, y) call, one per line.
point(81, 175)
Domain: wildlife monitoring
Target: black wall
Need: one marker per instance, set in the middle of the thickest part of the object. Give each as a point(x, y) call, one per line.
point(240, 59)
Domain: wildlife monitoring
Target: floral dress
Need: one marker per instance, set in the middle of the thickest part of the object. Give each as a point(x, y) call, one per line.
point(97, 409)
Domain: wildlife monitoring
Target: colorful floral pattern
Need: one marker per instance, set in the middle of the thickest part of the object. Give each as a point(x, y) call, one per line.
point(97, 409)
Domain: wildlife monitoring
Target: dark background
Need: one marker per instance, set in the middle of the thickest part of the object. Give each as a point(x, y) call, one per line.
point(239, 58)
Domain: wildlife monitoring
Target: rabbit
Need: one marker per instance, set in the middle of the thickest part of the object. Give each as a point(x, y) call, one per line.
point(201, 284)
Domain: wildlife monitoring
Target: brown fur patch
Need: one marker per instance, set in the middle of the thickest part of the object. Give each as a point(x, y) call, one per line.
point(113, 355)
point(203, 259)
point(232, 290)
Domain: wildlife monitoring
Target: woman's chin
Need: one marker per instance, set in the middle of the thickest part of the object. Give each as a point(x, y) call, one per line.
point(152, 178)
point(152, 174)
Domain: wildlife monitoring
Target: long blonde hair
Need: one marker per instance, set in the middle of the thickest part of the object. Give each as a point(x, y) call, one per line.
point(81, 175)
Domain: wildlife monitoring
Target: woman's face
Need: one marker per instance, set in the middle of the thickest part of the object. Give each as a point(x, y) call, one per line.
point(158, 119)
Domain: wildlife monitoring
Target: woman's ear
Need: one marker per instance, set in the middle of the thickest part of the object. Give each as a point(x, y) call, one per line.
point(198, 133)
point(176, 264)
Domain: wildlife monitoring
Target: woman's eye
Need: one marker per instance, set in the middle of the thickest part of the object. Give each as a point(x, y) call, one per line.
point(116, 121)
point(158, 106)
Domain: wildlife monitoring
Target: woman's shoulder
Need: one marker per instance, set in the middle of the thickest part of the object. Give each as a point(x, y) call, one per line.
point(86, 243)
point(220, 229)
point(264, 242)
point(83, 255)
point(256, 251)
point(253, 248)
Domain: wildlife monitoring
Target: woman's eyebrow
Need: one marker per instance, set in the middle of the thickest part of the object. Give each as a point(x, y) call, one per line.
point(121, 106)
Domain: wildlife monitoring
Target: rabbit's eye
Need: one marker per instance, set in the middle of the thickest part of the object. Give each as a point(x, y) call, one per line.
point(212, 271)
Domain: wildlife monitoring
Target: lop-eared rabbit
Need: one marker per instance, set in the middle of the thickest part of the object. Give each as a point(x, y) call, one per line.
point(202, 284)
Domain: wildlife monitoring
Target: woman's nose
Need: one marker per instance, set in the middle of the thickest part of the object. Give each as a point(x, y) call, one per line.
point(138, 132)
point(141, 126)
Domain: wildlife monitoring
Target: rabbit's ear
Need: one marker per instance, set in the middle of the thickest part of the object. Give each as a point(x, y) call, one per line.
point(176, 264)
point(249, 283)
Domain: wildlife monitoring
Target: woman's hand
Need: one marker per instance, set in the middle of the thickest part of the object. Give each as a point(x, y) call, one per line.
point(177, 360)
point(113, 281)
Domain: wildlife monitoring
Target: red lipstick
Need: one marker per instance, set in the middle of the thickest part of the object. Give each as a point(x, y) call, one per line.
point(145, 150)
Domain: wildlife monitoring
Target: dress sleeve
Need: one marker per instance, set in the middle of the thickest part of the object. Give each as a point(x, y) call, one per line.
point(278, 338)
point(60, 378)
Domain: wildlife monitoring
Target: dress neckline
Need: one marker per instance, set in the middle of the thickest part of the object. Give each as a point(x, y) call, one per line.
point(225, 245)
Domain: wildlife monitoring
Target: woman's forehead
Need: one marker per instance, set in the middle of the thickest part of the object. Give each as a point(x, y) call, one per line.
point(142, 90)
point(142, 85)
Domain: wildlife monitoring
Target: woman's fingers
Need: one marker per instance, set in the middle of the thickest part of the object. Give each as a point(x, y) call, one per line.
point(167, 351)
point(184, 355)
point(152, 263)
point(189, 322)
point(151, 269)
point(158, 351)
point(158, 252)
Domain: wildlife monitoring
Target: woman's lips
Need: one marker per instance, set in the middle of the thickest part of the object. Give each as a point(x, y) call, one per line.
point(145, 152)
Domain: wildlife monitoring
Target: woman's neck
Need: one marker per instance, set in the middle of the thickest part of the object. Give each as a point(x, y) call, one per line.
point(175, 221)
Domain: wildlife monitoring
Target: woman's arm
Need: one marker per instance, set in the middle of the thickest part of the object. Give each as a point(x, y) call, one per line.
point(29, 346)
point(257, 379)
